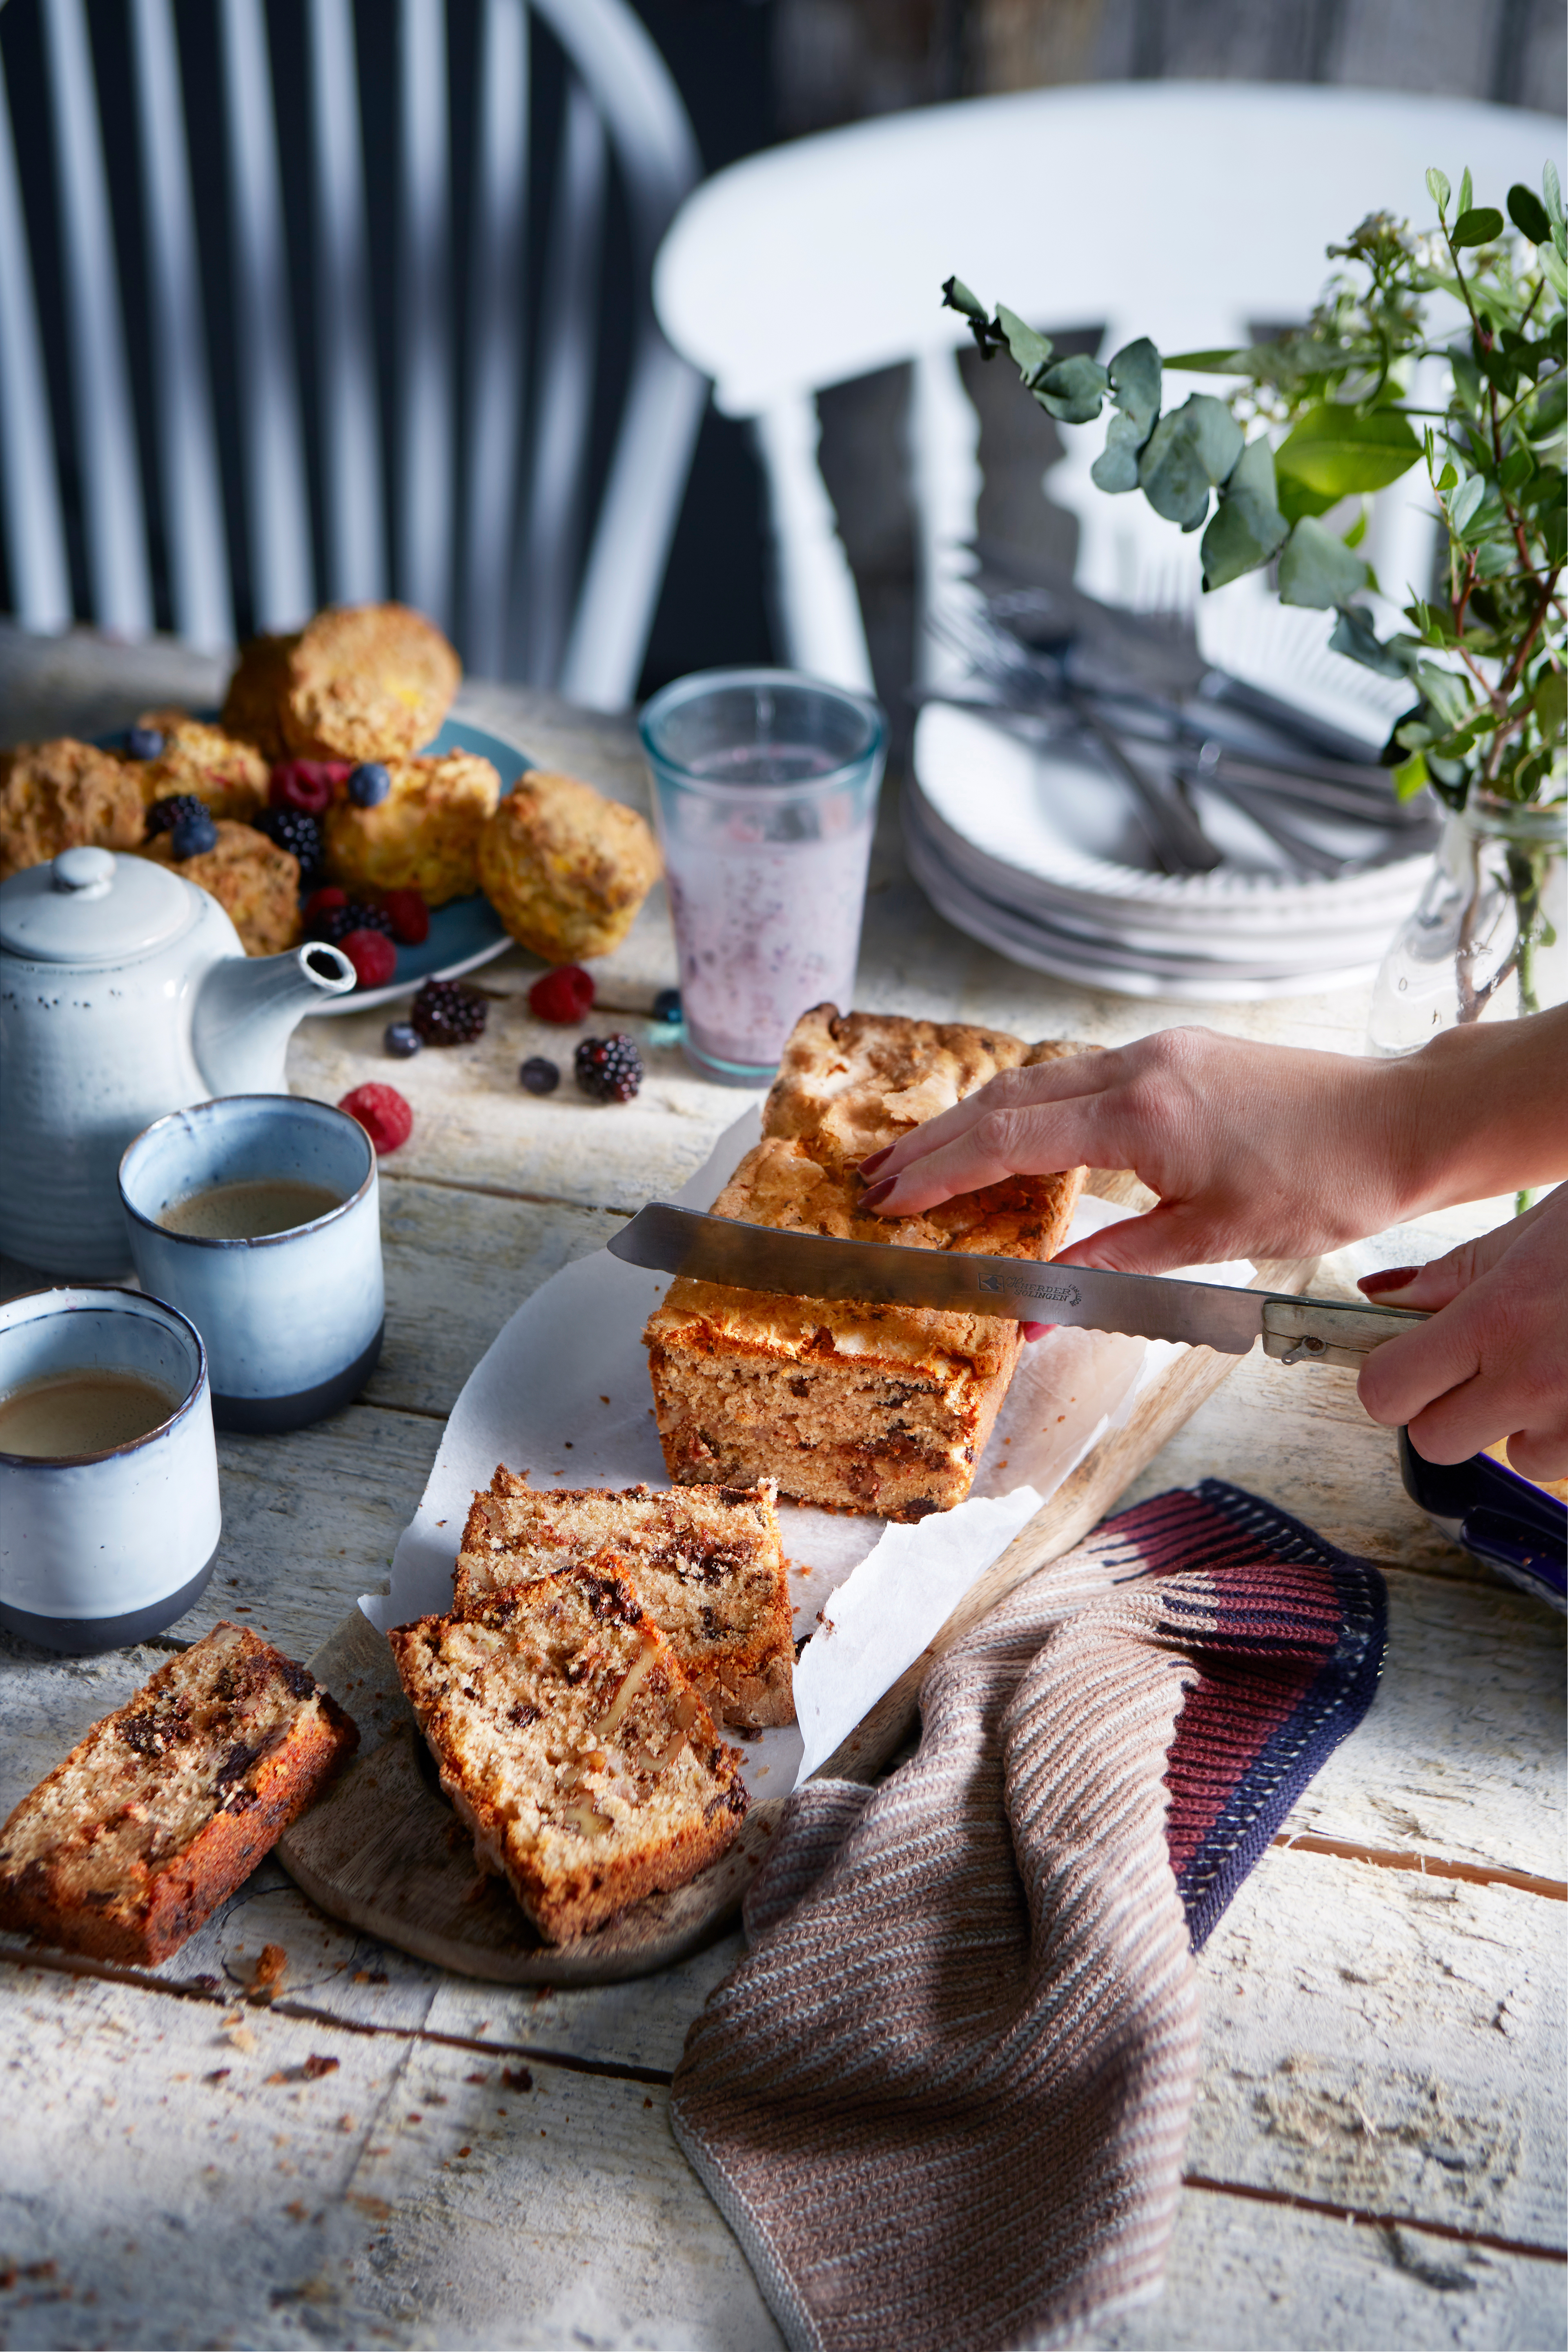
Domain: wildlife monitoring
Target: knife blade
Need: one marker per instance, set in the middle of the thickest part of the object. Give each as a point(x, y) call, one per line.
point(672, 1240)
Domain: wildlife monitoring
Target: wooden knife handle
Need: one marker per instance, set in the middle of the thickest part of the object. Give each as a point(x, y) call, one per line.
point(1321, 1331)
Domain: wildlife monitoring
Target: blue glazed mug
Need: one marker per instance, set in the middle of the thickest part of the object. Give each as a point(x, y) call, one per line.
point(101, 1549)
point(292, 1320)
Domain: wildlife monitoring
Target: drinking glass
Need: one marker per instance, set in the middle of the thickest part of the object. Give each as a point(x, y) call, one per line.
point(765, 795)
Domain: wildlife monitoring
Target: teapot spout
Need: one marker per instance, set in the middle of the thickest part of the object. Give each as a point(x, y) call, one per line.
point(247, 1008)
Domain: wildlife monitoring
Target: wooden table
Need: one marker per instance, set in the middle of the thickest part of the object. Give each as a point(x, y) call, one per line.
point(1376, 2156)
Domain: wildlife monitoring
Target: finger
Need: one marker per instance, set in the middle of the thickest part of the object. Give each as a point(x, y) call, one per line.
point(1046, 1082)
point(1539, 1454)
point(997, 1144)
point(1470, 1417)
point(1157, 1241)
point(1401, 1377)
point(1434, 1285)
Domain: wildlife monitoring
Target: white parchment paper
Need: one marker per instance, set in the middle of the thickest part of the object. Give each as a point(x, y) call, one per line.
point(563, 1394)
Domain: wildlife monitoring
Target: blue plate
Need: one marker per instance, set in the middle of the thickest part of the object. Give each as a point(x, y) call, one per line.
point(465, 932)
point(1506, 1520)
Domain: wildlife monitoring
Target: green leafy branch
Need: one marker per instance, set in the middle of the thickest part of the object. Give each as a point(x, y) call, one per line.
point(1485, 661)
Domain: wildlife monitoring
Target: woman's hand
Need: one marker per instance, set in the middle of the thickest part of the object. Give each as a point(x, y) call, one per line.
point(1255, 1150)
point(1493, 1360)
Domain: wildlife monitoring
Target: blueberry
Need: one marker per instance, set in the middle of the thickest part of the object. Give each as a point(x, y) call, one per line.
point(667, 1004)
point(143, 743)
point(369, 784)
point(402, 1040)
point(191, 835)
point(539, 1075)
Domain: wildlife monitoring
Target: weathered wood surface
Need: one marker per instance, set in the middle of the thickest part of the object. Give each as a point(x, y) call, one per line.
point(1381, 2041)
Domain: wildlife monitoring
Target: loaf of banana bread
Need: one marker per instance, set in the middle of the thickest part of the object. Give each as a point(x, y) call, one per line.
point(852, 1407)
point(704, 1562)
point(159, 1814)
point(571, 1742)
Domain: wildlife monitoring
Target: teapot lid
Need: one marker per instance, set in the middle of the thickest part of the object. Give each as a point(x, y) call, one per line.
point(86, 905)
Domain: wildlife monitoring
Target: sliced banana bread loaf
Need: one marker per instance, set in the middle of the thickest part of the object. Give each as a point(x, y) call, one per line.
point(704, 1561)
point(159, 1814)
point(572, 1744)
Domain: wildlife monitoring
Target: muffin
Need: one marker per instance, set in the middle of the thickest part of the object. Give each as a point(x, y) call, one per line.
point(566, 868)
point(253, 706)
point(424, 836)
point(364, 682)
point(64, 795)
point(255, 883)
point(225, 773)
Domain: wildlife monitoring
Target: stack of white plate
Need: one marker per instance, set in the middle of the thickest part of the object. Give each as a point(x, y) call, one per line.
point(1037, 849)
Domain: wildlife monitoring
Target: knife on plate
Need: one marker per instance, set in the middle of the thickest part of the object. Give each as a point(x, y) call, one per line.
point(672, 1240)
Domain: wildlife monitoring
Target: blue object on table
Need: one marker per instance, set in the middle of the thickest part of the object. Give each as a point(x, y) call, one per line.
point(1514, 1526)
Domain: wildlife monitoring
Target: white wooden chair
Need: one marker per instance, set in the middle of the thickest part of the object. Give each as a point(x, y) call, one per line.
point(499, 526)
point(1188, 212)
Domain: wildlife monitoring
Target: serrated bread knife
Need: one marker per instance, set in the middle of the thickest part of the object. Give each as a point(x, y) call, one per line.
point(672, 1240)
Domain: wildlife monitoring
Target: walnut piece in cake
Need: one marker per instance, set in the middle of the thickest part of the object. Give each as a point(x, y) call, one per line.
point(571, 1742)
point(158, 1814)
point(704, 1561)
point(884, 1410)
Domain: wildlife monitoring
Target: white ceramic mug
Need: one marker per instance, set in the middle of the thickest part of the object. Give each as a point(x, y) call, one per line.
point(100, 1550)
point(292, 1321)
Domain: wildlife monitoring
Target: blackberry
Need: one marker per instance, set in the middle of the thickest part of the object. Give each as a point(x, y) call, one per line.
point(539, 1074)
point(608, 1069)
point(335, 923)
point(444, 1012)
point(301, 835)
point(164, 815)
point(401, 1040)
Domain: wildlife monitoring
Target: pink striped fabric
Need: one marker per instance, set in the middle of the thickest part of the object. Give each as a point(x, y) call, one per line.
point(943, 2101)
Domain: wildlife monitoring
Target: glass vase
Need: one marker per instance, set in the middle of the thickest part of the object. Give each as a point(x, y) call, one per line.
point(1488, 939)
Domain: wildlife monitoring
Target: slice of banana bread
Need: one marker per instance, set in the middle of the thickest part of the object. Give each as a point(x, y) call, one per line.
point(572, 1744)
point(705, 1563)
point(159, 1814)
point(852, 1407)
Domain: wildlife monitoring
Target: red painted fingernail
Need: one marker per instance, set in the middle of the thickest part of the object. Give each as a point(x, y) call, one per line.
point(1035, 1330)
point(868, 1199)
point(869, 1165)
point(1393, 1278)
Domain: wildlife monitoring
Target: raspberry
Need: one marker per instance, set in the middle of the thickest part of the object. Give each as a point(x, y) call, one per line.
point(320, 905)
point(373, 956)
point(444, 1012)
point(608, 1069)
point(300, 835)
point(307, 784)
point(539, 1075)
point(383, 1113)
point(409, 916)
point(166, 814)
point(143, 743)
point(565, 994)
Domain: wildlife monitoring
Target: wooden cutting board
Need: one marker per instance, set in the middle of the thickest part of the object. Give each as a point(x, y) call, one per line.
point(385, 1850)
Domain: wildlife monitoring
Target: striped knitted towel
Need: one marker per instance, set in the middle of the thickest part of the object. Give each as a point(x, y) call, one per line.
point(944, 2100)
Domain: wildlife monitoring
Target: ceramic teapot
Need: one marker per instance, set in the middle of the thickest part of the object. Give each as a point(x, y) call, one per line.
point(124, 993)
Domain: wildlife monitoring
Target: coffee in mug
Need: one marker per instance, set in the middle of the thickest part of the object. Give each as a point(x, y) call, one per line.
point(66, 1414)
point(249, 1212)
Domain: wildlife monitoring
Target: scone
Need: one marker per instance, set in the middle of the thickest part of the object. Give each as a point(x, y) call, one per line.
point(64, 795)
point(366, 682)
point(253, 707)
point(166, 1806)
point(566, 868)
point(852, 1407)
point(705, 1562)
point(223, 770)
point(571, 1742)
point(423, 836)
point(256, 883)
